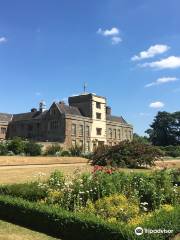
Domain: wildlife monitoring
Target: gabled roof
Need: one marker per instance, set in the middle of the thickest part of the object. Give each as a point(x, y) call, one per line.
point(5, 117)
point(116, 119)
point(65, 109)
point(28, 116)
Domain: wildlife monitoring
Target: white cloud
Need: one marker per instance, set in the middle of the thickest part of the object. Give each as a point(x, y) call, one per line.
point(116, 40)
point(3, 40)
point(162, 80)
point(113, 33)
point(171, 62)
point(156, 104)
point(151, 52)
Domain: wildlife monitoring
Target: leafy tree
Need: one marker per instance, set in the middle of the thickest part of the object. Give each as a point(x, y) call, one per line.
point(165, 129)
point(141, 139)
point(127, 154)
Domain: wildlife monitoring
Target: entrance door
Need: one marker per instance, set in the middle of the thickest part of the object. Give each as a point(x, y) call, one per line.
point(100, 143)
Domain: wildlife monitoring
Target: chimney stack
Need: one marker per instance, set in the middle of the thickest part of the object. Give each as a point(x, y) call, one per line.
point(108, 110)
point(42, 106)
point(33, 110)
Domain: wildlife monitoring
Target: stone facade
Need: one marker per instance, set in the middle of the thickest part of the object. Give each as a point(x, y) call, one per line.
point(4, 122)
point(86, 121)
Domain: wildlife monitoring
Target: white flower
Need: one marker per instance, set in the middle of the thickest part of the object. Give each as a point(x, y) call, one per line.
point(145, 209)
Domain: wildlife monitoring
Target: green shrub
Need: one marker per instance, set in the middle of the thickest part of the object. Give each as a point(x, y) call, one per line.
point(3, 149)
point(76, 151)
point(127, 154)
point(53, 149)
point(154, 189)
point(113, 208)
point(28, 191)
point(67, 225)
point(65, 153)
point(165, 218)
point(56, 222)
point(175, 175)
point(171, 151)
point(16, 145)
point(32, 149)
point(56, 179)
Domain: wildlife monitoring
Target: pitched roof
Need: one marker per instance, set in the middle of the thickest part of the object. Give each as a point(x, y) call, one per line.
point(5, 117)
point(28, 116)
point(65, 109)
point(116, 119)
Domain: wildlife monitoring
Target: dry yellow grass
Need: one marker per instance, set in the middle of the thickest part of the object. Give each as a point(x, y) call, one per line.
point(20, 160)
point(10, 231)
point(20, 174)
point(17, 169)
point(174, 163)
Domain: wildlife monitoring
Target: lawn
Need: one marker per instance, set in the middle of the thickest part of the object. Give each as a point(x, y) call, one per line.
point(32, 173)
point(44, 160)
point(9, 231)
point(22, 169)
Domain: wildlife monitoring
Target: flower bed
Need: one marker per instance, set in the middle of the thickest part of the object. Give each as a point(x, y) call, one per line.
point(105, 196)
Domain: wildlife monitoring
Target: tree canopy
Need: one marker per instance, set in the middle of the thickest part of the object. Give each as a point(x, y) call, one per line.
point(165, 129)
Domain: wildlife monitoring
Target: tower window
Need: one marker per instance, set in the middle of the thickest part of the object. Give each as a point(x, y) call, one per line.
point(99, 131)
point(98, 115)
point(98, 105)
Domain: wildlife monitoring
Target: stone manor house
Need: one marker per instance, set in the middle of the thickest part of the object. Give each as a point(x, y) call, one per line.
point(86, 121)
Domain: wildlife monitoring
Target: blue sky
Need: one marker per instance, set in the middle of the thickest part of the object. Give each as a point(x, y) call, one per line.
point(128, 51)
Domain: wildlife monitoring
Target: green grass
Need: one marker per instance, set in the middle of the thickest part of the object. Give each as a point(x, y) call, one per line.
point(9, 231)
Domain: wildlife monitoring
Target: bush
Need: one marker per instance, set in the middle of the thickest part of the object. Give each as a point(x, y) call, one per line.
point(153, 189)
point(32, 149)
point(113, 208)
point(56, 179)
point(3, 149)
point(76, 151)
point(53, 149)
point(127, 154)
point(28, 191)
point(16, 145)
point(171, 151)
point(56, 222)
point(65, 153)
point(66, 225)
point(167, 217)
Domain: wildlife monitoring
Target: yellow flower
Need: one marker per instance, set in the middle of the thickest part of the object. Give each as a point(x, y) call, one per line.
point(167, 207)
point(112, 220)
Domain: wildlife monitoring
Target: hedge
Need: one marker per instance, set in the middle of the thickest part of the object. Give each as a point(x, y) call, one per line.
point(56, 222)
point(66, 225)
point(28, 191)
